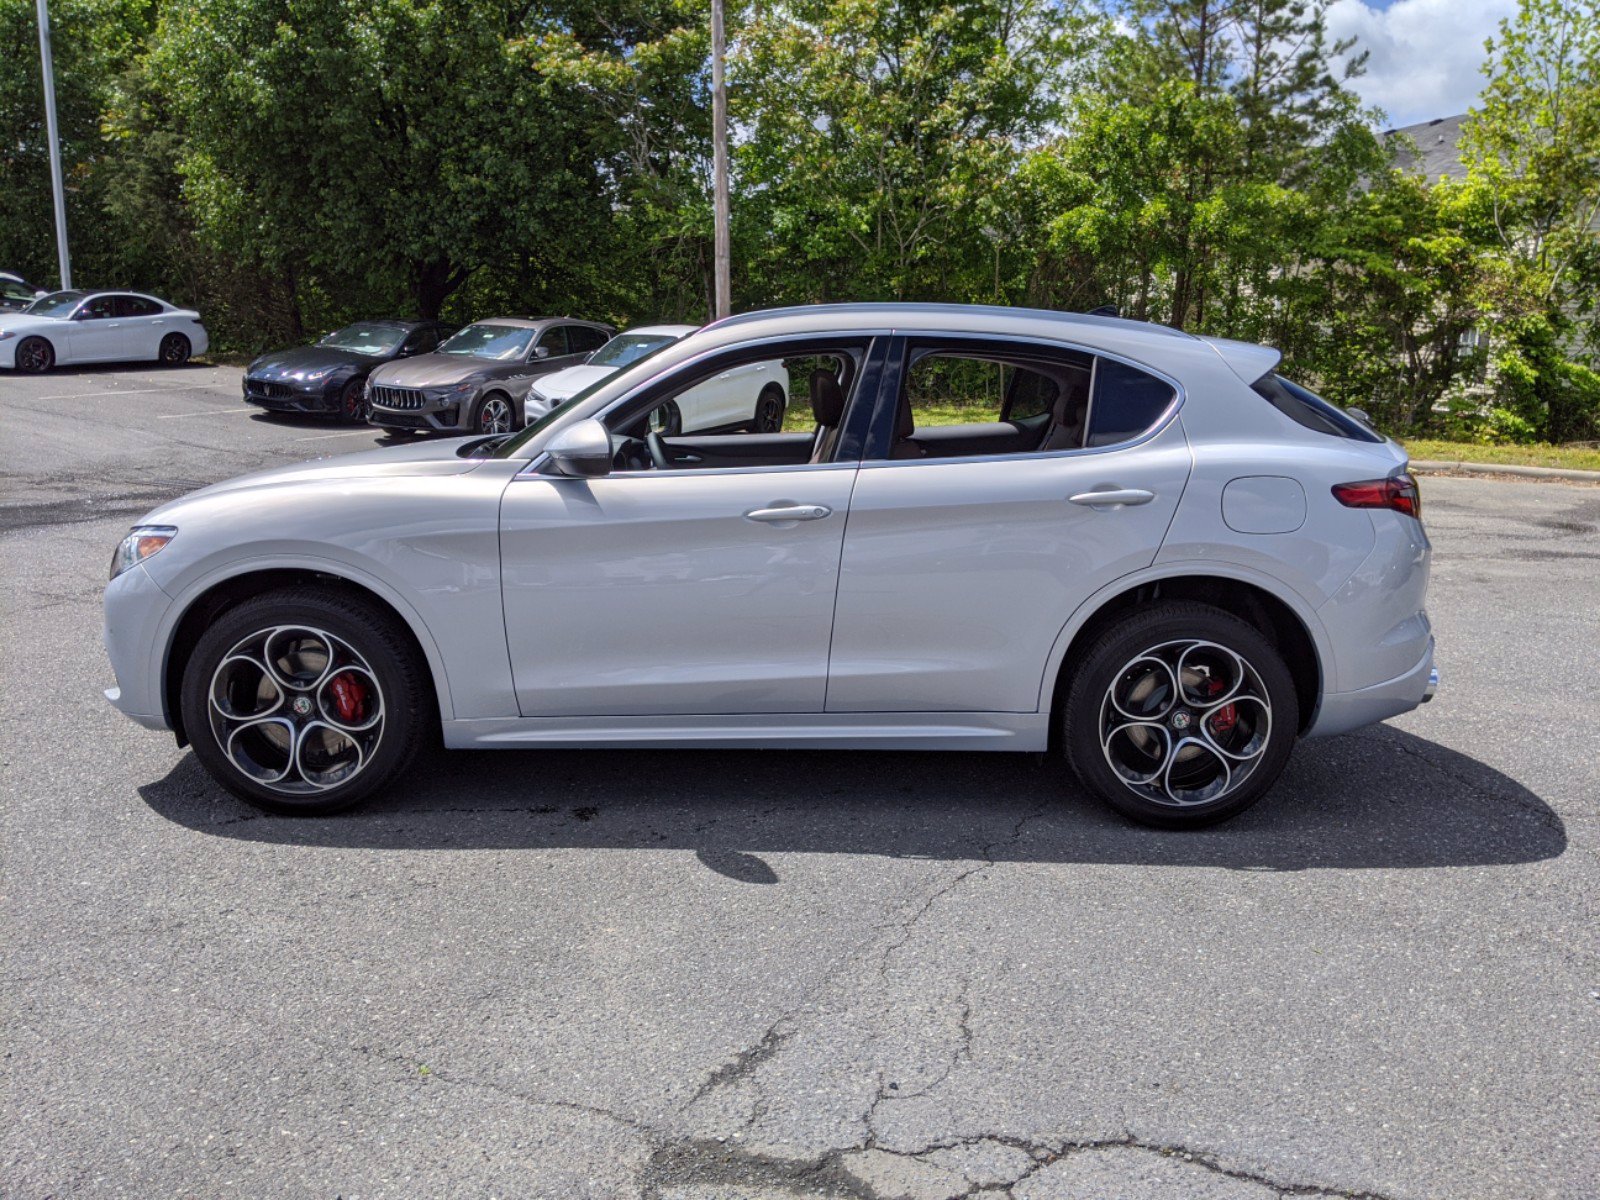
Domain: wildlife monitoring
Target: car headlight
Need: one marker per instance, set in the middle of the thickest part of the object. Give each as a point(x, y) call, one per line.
point(142, 542)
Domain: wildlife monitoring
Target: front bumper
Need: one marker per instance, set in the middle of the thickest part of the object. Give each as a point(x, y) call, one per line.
point(135, 607)
point(424, 413)
point(278, 396)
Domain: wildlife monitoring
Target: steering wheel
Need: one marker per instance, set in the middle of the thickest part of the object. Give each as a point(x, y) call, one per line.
point(658, 451)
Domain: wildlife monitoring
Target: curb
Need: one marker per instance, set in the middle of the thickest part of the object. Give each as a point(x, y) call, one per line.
point(1475, 468)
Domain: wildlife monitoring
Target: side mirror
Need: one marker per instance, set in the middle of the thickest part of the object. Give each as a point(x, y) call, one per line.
point(582, 450)
point(541, 351)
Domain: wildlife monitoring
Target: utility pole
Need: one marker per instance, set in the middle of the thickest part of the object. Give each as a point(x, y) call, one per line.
point(721, 251)
point(63, 258)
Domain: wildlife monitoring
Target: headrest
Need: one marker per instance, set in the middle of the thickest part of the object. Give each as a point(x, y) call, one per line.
point(904, 423)
point(827, 398)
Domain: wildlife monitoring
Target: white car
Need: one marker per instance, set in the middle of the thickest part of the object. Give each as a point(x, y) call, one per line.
point(752, 397)
point(1145, 550)
point(68, 328)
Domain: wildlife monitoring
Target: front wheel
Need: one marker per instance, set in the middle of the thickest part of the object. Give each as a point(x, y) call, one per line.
point(175, 350)
point(354, 408)
point(35, 355)
point(494, 415)
point(304, 700)
point(1180, 715)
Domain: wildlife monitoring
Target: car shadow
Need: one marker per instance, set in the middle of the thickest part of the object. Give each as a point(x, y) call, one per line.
point(1381, 798)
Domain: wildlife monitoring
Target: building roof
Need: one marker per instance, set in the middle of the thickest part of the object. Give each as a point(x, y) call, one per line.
point(1438, 149)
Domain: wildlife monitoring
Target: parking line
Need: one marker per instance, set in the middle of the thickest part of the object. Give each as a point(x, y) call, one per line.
point(199, 387)
point(347, 433)
point(205, 412)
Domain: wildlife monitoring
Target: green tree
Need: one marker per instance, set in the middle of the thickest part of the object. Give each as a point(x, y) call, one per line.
point(1533, 148)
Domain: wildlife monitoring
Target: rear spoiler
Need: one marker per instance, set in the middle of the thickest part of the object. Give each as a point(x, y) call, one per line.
point(1246, 359)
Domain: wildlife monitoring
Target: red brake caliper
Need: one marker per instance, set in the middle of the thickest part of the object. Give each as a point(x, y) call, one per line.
point(349, 697)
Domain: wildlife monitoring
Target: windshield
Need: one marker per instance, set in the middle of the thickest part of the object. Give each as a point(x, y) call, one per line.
point(489, 341)
point(365, 337)
point(15, 290)
point(628, 348)
point(56, 304)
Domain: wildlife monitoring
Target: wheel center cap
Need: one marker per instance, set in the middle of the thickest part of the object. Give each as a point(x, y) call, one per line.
point(301, 706)
point(1182, 719)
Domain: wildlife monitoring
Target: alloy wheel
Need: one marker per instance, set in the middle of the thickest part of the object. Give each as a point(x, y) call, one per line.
point(495, 416)
point(296, 710)
point(1185, 723)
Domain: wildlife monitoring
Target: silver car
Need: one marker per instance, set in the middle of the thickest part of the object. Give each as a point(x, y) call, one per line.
point(477, 380)
point(1146, 551)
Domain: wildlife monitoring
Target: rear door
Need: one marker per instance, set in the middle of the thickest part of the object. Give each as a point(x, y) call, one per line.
point(961, 567)
point(144, 324)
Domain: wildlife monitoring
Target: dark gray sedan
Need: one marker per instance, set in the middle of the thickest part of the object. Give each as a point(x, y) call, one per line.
point(478, 380)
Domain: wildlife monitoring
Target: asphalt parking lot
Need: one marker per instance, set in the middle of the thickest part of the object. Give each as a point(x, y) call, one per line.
point(741, 975)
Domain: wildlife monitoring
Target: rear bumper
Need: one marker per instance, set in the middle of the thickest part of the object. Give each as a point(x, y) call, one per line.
point(1341, 712)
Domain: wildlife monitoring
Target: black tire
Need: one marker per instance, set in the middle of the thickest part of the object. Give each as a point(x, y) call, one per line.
point(666, 420)
point(487, 414)
point(383, 653)
point(175, 350)
point(770, 407)
point(1094, 730)
point(35, 355)
point(353, 406)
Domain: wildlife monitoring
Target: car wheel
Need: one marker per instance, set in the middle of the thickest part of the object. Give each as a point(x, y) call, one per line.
point(353, 405)
point(666, 420)
point(770, 406)
point(174, 350)
point(304, 701)
point(1180, 715)
point(35, 355)
point(494, 414)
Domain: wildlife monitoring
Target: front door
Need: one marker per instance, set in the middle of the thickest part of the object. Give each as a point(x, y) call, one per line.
point(97, 334)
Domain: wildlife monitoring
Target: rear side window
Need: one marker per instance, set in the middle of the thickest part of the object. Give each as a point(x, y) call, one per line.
point(1305, 407)
point(583, 339)
point(136, 306)
point(1125, 403)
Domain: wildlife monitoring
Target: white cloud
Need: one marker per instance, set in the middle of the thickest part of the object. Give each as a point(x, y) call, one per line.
point(1425, 55)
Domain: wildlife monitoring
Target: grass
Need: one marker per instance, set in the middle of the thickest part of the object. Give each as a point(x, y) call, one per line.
point(1572, 458)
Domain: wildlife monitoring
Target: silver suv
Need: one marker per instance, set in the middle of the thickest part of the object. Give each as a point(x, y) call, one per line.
point(477, 381)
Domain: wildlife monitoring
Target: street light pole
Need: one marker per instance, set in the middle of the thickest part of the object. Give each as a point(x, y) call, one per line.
point(721, 252)
point(63, 258)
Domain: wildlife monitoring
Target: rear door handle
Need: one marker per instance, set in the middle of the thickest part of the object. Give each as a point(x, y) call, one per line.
point(789, 512)
point(1113, 497)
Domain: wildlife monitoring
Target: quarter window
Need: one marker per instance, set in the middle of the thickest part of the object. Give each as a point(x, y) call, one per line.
point(1125, 403)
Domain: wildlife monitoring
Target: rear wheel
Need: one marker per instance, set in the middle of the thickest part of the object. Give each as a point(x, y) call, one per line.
point(1180, 715)
point(175, 350)
point(305, 701)
point(35, 355)
point(769, 410)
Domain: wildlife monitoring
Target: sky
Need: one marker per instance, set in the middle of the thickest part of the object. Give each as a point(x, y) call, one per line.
point(1425, 55)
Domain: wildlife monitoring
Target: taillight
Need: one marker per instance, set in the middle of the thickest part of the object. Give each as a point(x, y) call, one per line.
point(1398, 492)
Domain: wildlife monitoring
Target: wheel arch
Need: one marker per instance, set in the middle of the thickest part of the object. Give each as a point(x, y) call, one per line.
point(218, 596)
point(1287, 622)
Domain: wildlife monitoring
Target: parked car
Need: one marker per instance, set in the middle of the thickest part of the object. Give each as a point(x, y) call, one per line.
point(1153, 553)
point(329, 377)
point(477, 381)
point(753, 397)
point(16, 293)
point(65, 328)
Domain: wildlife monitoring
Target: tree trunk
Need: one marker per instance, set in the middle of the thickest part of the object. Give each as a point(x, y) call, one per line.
point(432, 282)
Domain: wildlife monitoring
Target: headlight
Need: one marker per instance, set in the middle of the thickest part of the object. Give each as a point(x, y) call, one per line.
point(142, 541)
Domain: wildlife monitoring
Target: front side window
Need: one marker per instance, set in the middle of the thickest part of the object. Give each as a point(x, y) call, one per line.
point(99, 308)
point(554, 341)
point(504, 343)
point(365, 337)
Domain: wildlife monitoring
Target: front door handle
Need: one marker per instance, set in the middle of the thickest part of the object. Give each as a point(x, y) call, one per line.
point(789, 512)
point(1114, 497)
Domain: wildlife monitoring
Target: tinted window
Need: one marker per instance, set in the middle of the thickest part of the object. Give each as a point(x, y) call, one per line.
point(554, 340)
point(14, 291)
point(422, 340)
point(1305, 407)
point(136, 306)
point(582, 339)
point(1125, 402)
point(99, 308)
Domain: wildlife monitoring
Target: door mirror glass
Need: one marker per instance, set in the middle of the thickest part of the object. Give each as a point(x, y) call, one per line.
point(541, 351)
point(582, 450)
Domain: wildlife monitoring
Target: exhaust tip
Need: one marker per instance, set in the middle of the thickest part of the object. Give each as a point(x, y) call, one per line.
point(1433, 685)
